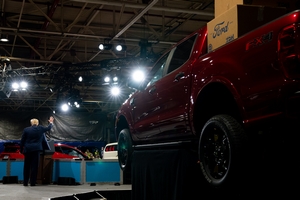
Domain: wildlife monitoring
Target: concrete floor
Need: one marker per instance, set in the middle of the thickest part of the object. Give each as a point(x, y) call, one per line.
point(48, 192)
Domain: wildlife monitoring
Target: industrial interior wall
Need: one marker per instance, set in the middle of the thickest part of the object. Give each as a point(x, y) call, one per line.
point(71, 126)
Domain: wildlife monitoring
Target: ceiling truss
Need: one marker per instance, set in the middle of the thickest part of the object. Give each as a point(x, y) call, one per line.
point(54, 41)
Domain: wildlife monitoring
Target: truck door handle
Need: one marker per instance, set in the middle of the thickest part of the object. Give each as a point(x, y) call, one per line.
point(152, 90)
point(179, 75)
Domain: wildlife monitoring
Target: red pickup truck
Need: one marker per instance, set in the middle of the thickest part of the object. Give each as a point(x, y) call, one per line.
point(222, 100)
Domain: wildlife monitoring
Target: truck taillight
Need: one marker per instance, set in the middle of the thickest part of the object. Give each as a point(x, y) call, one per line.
point(288, 50)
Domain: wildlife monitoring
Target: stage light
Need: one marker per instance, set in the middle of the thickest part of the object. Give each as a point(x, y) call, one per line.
point(3, 38)
point(106, 79)
point(120, 47)
point(138, 75)
point(16, 86)
point(65, 107)
point(115, 91)
point(76, 104)
point(115, 78)
point(74, 101)
point(23, 85)
point(105, 47)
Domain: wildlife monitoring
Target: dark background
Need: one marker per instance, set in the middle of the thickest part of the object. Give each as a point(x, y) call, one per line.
point(72, 126)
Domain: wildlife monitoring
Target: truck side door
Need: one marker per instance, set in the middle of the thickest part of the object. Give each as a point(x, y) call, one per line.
point(144, 104)
point(173, 92)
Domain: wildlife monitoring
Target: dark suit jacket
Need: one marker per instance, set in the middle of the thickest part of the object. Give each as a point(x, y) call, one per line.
point(33, 139)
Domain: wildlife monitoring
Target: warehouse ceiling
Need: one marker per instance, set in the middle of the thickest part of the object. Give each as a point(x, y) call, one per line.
point(52, 42)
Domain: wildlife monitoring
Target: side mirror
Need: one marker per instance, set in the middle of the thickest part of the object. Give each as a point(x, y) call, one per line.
point(135, 85)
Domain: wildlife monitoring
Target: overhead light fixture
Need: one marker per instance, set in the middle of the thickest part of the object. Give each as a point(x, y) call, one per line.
point(106, 79)
point(105, 47)
point(138, 76)
point(115, 79)
point(121, 47)
point(115, 91)
point(16, 86)
point(65, 107)
point(4, 38)
point(74, 99)
point(23, 85)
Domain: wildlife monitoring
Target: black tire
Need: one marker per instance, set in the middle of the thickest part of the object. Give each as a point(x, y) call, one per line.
point(124, 150)
point(222, 151)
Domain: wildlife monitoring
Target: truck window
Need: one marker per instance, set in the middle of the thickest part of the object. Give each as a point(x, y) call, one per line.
point(157, 71)
point(181, 54)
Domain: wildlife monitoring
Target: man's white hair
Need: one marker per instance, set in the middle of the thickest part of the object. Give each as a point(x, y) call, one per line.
point(34, 122)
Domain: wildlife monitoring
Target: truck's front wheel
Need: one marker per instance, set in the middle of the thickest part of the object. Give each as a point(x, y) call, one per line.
point(124, 149)
point(222, 146)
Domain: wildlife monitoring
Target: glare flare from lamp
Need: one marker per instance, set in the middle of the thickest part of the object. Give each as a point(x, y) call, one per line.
point(138, 76)
point(23, 85)
point(115, 91)
point(65, 107)
point(15, 86)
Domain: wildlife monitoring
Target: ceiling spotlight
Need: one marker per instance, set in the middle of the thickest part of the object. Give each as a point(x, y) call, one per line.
point(138, 76)
point(76, 104)
point(115, 91)
point(15, 86)
point(65, 107)
point(80, 78)
point(23, 85)
point(19, 85)
point(3, 38)
point(105, 47)
point(115, 78)
point(120, 47)
point(106, 79)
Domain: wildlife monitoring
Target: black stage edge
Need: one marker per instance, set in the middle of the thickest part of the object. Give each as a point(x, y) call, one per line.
point(174, 174)
point(166, 174)
point(99, 195)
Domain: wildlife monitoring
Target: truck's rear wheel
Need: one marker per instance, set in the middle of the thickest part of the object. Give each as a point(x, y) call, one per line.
point(222, 146)
point(124, 149)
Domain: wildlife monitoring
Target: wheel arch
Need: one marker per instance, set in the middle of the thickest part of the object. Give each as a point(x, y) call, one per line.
point(121, 123)
point(214, 99)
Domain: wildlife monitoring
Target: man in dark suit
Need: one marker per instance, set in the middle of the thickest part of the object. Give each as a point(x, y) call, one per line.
point(32, 144)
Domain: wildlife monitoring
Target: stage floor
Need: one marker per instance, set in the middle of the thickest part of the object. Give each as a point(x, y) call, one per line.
point(48, 192)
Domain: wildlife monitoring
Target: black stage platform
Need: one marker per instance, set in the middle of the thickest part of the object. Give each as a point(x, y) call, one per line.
point(174, 174)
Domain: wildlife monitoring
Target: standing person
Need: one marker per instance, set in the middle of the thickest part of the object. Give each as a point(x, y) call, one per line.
point(32, 143)
point(101, 153)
